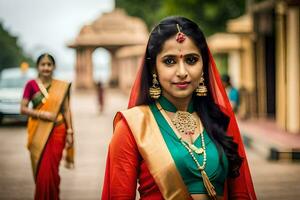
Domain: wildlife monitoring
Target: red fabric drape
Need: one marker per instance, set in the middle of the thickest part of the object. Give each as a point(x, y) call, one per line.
point(124, 166)
point(48, 180)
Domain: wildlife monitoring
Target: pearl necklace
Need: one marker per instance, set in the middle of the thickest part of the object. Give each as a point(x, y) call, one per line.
point(190, 147)
point(190, 150)
point(208, 185)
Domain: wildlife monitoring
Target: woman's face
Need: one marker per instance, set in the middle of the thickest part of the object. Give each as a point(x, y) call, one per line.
point(179, 68)
point(45, 67)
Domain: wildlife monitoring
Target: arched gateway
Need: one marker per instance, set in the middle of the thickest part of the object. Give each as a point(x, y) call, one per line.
point(110, 31)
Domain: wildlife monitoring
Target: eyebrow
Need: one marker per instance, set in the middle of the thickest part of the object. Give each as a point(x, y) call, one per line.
point(174, 56)
point(193, 54)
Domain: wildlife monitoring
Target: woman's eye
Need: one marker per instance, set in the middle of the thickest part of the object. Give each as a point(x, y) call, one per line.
point(169, 61)
point(191, 60)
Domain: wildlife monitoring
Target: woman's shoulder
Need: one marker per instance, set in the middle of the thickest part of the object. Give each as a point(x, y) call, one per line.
point(31, 83)
point(61, 81)
point(136, 110)
point(132, 115)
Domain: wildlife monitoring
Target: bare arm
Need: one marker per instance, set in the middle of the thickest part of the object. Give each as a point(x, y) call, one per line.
point(25, 110)
point(68, 118)
point(35, 113)
point(67, 113)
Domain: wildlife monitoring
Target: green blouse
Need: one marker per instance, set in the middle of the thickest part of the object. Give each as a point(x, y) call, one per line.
point(185, 164)
point(38, 97)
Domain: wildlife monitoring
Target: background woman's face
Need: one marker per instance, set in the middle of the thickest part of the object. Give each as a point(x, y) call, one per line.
point(45, 67)
point(179, 68)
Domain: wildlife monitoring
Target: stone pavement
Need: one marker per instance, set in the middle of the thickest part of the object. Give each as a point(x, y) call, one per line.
point(272, 180)
point(268, 140)
point(93, 133)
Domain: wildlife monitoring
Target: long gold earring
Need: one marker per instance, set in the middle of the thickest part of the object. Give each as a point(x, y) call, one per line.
point(201, 90)
point(154, 90)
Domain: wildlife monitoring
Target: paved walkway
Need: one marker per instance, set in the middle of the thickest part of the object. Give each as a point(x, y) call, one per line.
point(268, 140)
point(272, 180)
point(94, 131)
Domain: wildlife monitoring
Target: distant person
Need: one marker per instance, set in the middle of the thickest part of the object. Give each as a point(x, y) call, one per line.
point(232, 92)
point(178, 139)
point(50, 129)
point(100, 95)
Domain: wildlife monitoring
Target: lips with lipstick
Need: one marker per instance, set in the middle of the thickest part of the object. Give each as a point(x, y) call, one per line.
point(182, 85)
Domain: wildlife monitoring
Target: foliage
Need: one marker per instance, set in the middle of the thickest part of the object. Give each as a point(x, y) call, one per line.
point(146, 9)
point(11, 54)
point(210, 15)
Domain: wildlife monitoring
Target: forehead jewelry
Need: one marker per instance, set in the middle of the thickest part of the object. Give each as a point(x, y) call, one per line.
point(180, 37)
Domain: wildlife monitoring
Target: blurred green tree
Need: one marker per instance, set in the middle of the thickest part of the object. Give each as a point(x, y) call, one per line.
point(146, 9)
point(210, 15)
point(11, 54)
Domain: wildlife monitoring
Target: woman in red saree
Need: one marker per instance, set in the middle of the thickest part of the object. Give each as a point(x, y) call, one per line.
point(179, 138)
point(49, 127)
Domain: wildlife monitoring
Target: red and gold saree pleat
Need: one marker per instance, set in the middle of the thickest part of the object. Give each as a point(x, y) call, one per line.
point(47, 179)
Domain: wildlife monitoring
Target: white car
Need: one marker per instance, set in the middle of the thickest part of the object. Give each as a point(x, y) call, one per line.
point(12, 82)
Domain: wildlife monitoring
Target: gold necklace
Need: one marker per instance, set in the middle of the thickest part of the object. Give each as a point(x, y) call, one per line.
point(208, 185)
point(184, 122)
point(177, 125)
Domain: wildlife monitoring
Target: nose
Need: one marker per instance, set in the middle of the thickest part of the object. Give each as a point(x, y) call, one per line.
point(48, 66)
point(181, 70)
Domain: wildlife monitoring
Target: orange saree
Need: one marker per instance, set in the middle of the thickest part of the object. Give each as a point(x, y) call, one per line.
point(46, 141)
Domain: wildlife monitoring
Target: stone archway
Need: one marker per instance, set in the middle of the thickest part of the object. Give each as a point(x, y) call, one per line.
point(110, 31)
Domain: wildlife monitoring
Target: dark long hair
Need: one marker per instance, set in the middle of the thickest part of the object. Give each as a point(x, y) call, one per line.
point(45, 55)
point(213, 119)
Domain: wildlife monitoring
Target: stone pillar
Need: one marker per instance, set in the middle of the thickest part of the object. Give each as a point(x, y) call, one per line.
point(234, 65)
point(114, 70)
point(281, 109)
point(293, 70)
point(84, 69)
point(261, 77)
point(89, 79)
point(79, 69)
point(247, 79)
point(250, 72)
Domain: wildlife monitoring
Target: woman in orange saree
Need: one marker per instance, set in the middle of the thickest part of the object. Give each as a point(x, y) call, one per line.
point(49, 127)
point(179, 138)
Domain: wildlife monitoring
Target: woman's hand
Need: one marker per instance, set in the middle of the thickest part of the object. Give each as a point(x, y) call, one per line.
point(48, 116)
point(69, 138)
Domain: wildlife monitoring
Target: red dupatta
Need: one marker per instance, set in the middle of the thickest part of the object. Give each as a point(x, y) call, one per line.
point(236, 188)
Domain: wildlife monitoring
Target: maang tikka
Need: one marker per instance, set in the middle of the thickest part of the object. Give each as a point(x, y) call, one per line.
point(154, 90)
point(180, 37)
point(201, 90)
